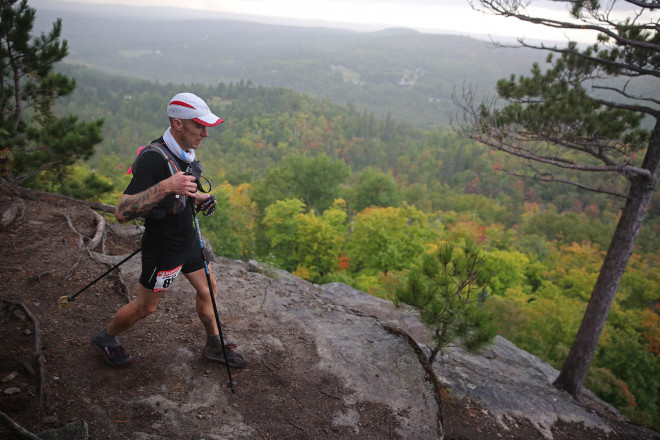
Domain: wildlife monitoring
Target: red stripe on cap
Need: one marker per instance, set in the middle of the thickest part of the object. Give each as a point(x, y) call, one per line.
point(184, 104)
point(207, 124)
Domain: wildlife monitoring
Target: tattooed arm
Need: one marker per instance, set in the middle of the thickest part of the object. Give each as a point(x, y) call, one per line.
point(132, 206)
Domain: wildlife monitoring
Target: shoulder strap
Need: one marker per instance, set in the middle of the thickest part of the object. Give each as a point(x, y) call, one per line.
point(171, 204)
point(195, 168)
point(166, 153)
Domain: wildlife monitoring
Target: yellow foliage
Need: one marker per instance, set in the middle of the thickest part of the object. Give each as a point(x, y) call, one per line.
point(302, 272)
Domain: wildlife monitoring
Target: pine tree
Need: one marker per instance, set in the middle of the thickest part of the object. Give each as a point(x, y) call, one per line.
point(32, 137)
point(445, 290)
point(580, 122)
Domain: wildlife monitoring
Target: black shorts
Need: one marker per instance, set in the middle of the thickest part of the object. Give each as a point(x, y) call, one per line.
point(159, 270)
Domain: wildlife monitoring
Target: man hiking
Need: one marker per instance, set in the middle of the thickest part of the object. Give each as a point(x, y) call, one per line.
point(163, 190)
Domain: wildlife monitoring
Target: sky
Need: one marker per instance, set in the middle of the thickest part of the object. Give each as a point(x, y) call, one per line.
point(432, 16)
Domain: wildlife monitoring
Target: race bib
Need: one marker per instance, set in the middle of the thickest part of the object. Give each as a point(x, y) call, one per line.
point(165, 279)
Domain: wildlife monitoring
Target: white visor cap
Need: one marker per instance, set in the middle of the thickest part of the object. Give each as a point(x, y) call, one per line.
point(190, 106)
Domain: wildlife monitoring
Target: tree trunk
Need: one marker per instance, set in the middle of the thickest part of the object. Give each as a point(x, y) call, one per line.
point(641, 193)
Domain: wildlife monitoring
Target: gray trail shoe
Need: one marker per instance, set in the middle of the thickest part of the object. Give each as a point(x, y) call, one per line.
point(235, 360)
point(114, 356)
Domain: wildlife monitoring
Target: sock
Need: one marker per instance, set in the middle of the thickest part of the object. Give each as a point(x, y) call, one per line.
point(105, 339)
point(213, 341)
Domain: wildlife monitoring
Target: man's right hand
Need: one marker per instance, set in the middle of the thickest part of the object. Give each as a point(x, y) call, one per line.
point(182, 184)
point(137, 205)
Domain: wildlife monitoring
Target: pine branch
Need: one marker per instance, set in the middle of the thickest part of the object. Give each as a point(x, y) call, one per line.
point(634, 108)
point(653, 4)
point(638, 71)
point(496, 143)
point(546, 178)
point(27, 175)
point(506, 9)
point(628, 95)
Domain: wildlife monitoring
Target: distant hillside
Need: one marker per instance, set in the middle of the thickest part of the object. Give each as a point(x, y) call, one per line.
point(409, 74)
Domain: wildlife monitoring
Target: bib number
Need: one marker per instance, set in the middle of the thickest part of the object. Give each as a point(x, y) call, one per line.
point(165, 278)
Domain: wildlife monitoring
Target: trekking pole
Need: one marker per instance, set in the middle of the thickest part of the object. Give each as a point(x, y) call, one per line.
point(64, 301)
point(231, 383)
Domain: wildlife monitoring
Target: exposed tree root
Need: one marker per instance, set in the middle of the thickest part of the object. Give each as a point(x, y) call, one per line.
point(81, 238)
point(37, 278)
point(123, 288)
point(99, 233)
point(121, 285)
point(424, 361)
point(9, 215)
point(98, 238)
point(38, 356)
point(69, 273)
point(35, 195)
point(17, 429)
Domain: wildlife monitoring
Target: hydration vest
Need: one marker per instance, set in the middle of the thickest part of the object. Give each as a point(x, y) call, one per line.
point(172, 203)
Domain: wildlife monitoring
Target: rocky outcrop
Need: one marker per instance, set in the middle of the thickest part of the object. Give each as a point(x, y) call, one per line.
point(511, 383)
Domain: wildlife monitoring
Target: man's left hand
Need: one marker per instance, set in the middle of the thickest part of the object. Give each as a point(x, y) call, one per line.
point(207, 206)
